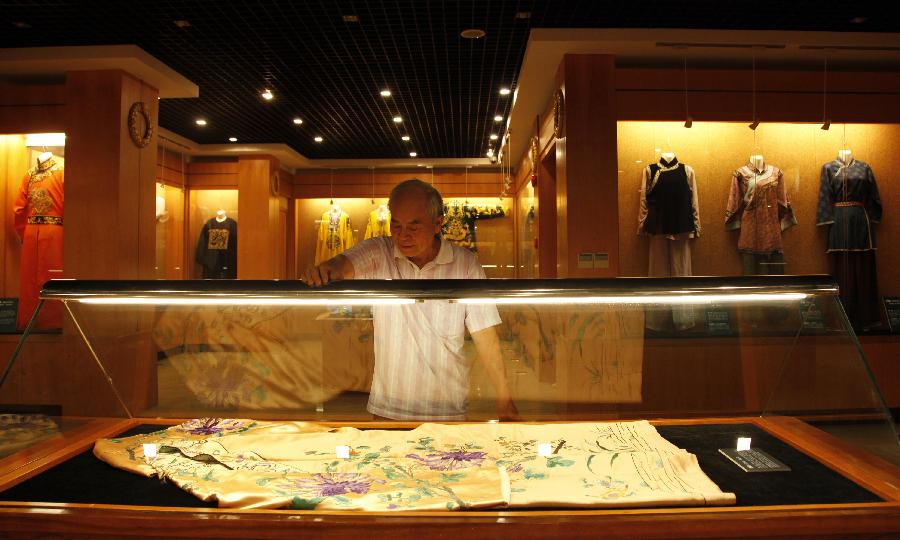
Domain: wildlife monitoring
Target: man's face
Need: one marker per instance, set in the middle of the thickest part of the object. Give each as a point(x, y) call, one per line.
point(412, 227)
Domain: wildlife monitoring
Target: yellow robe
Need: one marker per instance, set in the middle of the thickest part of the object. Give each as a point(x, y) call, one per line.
point(379, 224)
point(335, 236)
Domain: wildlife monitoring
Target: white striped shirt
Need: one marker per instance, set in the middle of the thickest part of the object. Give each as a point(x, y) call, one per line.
point(421, 371)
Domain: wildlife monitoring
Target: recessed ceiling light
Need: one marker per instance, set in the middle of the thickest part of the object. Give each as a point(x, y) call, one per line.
point(498, 118)
point(298, 121)
point(350, 18)
point(267, 94)
point(398, 119)
point(182, 23)
point(200, 122)
point(858, 20)
point(494, 137)
point(413, 154)
point(504, 91)
point(22, 25)
point(472, 33)
point(405, 138)
point(232, 139)
point(385, 93)
point(523, 14)
point(318, 139)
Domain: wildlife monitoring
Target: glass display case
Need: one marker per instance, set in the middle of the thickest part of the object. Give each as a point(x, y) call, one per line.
point(271, 404)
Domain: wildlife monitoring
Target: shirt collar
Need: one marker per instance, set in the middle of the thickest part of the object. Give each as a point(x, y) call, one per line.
point(444, 256)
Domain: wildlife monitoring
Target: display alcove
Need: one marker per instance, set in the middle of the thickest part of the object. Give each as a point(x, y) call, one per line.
point(770, 358)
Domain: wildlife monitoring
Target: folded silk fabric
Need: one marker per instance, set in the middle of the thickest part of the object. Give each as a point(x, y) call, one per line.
point(251, 464)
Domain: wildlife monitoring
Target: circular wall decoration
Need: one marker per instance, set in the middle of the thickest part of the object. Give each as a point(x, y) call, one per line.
point(559, 113)
point(140, 127)
point(273, 183)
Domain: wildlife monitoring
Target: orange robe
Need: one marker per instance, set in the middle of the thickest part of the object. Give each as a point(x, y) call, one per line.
point(38, 219)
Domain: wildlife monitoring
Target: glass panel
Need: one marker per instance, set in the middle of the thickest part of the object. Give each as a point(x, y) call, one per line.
point(720, 348)
point(527, 224)
point(213, 219)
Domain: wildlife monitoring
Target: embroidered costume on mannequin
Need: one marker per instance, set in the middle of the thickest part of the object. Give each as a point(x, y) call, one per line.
point(38, 216)
point(217, 248)
point(460, 222)
point(335, 234)
point(758, 205)
point(849, 204)
point(379, 223)
point(670, 214)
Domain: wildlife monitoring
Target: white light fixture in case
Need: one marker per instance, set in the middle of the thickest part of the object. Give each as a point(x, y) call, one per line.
point(45, 139)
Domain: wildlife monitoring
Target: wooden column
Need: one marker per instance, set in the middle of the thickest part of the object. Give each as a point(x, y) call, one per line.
point(109, 234)
point(586, 166)
point(258, 228)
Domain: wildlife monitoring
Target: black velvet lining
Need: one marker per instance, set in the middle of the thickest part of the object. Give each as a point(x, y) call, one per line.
point(86, 479)
point(808, 482)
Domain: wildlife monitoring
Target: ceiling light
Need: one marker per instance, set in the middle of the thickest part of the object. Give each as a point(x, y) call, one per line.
point(505, 91)
point(405, 138)
point(494, 137)
point(267, 94)
point(473, 33)
point(182, 23)
point(826, 124)
point(350, 18)
point(318, 139)
point(398, 119)
point(298, 121)
point(498, 118)
point(523, 14)
point(232, 139)
point(22, 25)
point(200, 122)
point(753, 125)
point(413, 154)
point(385, 93)
point(858, 20)
point(688, 122)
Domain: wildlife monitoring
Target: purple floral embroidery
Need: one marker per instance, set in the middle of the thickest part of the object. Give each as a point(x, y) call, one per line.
point(448, 461)
point(330, 484)
point(211, 426)
point(515, 469)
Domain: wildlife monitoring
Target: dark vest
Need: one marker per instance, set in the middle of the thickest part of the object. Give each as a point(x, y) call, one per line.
point(669, 208)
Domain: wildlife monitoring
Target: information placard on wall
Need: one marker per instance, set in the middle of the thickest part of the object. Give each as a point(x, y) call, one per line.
point(892, 308)
point(9, 307)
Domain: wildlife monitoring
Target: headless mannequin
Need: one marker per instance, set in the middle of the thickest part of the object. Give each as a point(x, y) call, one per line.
point(220, 216)
point(43, 159)
point(845, 156)
point(667, 157)
point(758, 162)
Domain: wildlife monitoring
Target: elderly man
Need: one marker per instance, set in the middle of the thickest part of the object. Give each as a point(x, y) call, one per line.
point(421, 372)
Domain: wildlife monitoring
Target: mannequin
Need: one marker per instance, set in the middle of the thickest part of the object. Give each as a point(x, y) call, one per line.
point(667, 156)
point(216, 250)
point(845, 155)
point(335, 233)
point(758, 162)
point(38, 217)
point(379, 222)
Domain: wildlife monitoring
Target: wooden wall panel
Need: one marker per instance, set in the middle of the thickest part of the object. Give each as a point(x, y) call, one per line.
point(258, 207)
point(357, 183)
point(31, 108)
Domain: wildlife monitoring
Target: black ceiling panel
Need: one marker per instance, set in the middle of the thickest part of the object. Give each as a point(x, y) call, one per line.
point(329, 71)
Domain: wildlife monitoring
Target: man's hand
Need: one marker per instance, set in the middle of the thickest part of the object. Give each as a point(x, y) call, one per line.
point(335, 269)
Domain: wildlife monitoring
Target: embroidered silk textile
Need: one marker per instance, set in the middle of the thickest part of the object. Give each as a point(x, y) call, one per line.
point(217, 249)
point(249, 464)
point(379, 223)
point(335, 235)
point(758, 205)
point(38, 217)
point(850, 204)
point(460, 223)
